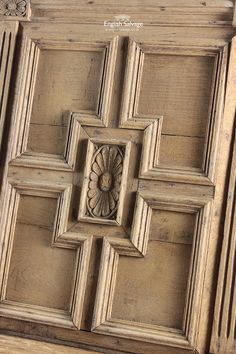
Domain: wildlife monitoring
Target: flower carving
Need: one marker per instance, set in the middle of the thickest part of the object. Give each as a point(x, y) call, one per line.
point(14, 7)
point(105, 181)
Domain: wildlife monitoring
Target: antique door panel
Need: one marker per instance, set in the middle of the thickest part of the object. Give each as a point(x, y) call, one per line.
point(109, 186)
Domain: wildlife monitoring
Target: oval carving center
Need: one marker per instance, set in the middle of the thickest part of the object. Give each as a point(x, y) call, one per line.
point(105, 182)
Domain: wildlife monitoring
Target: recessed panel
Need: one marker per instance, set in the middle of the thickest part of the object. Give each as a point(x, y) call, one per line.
point(66, 81)
point(152, 289)
point(179, 88)
point(105, 180)
point(39, 274)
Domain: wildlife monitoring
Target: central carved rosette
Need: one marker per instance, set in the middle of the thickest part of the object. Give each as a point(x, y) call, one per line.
point(105, 181)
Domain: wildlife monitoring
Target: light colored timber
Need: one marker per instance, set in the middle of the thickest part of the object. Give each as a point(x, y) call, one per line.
point(223, 335)
point(149, 103)
point(10, 345)
point(8, 33)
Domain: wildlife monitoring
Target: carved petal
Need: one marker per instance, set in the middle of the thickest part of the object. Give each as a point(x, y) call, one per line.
point(117, 170)
point(105, 177)
point(112, 157)
point(105, 206)
point(93, 185)
point(93, 176)
point(105, 155)
point(92, 193)
point(95, 200)
point(97, 169)
point(98, 208)
point(111, 201)
point(100, 162)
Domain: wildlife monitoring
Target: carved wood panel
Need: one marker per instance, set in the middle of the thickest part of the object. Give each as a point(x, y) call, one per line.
point(109, 184)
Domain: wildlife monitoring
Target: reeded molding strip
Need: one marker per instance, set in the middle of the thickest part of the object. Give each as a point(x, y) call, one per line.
point(224, 325)
point(7, 45)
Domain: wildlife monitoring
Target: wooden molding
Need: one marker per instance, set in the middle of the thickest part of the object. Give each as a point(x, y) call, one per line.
point(17, 345)
point(31, 52)
point(61, 238)
point(103, 322)
point(211, 13)
point(224, 326)
point(96, 160)
point(8, 33)
point(130, 117)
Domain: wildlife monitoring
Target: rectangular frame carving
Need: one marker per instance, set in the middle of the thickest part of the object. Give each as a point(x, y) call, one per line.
point(60, 238)
point(137, 246)
point(29, 62)
point(82, 215)
point(224, 325)
point(130, 118)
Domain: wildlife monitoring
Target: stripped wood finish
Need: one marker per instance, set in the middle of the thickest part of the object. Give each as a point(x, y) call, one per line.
point(114, 176)
point(224, 339)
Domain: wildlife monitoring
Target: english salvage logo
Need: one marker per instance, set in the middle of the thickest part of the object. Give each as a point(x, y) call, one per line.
point(122, 23)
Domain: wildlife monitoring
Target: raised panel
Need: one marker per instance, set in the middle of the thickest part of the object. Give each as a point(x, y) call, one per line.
point(155, 298)
point(224, 326)
point(29, 279)
point(134, 271)
point(43, 268)
point(153, 290)
point(8, 33)
point(84, 71)
point(177, 87)
point(76, 73)
point(176, 95)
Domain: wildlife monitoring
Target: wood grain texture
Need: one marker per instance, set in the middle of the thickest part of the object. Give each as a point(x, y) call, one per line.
point(195, 13)
point(103, 320)
point(195, 144)
point(14, 345)
point(176, 211)
point(224, 326)
point(8, 33)
point(20, 302)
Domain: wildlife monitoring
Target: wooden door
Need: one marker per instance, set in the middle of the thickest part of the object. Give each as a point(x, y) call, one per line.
point(113, 180)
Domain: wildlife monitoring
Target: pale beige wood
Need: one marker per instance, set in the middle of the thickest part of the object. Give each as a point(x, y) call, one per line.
point(223, 334)
point(210, 65)
point(8, 33)
point(221, 183)
point(103, 321)
point(171, 226)
point(181, 152)
point(170, 88)
point(234, 17)
point(15, 11)
point(14, 345)
point(55, 168)
point(192, 13)
point(46, 139)
point(77, 74)
point(139, 297)
point(30, 282)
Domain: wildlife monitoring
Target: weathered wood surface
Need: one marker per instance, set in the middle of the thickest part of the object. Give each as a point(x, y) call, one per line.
point(114, 180)
point(15, 345)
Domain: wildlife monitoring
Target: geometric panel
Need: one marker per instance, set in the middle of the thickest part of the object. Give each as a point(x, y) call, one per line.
point(85, 72)
point(105, 180)
point(224, 326)
point(181, 88)
point(108, 313)
point(8, 33)
point(41, 298)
